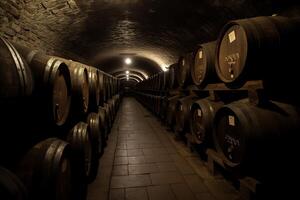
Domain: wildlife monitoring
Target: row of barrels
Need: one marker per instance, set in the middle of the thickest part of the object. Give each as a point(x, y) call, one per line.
point(260, 48)
point(61, 88)
point(55, 118)
point(61, 168)
point(258, 140)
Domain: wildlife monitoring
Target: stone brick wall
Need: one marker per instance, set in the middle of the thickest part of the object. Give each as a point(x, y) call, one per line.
point(48, 25)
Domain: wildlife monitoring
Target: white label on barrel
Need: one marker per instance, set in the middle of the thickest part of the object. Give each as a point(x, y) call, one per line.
point(200, 54)
point(231, 36)
point(231, 120)
point(199, 112)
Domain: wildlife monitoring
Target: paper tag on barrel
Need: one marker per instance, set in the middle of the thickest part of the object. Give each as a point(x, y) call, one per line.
point(231, 36)
point(231, 120)
point(199, 113)
point(200, 54)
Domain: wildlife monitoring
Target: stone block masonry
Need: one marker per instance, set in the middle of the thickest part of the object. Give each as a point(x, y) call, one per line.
point(48, 25)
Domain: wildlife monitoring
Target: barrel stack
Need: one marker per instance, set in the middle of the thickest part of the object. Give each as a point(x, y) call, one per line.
point(232, 103)
point(57, 114)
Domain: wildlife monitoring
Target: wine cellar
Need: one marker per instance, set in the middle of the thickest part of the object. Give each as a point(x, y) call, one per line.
point(149, 99)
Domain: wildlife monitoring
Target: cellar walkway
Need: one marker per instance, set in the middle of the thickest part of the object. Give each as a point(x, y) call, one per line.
point(144, 161)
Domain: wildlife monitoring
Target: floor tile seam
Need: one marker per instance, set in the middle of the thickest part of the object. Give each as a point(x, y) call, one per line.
point(148, 120)
point(111, 172)
point(144, 187)
point(174, 146)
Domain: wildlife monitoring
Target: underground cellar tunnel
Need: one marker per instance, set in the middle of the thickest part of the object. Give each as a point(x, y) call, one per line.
point(149, 99)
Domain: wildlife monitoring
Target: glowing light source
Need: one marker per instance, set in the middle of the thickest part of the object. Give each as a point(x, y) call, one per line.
point(127, 72)
point(164, 67)
point(128, 61)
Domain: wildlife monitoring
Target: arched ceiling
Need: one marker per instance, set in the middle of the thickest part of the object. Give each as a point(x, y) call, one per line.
point(130, 79)
point(131, 75)
point(136, 73)
point(155, 32)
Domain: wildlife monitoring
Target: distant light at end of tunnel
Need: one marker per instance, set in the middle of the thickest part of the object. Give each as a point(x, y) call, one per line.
point(128, 61)
point(164, 68)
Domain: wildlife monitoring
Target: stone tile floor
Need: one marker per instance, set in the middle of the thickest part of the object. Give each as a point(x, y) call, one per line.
point(143, 161)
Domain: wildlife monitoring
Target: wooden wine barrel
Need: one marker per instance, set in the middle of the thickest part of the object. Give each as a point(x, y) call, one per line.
point(203, 71)
point(46, 170)
point(112, 86)
point(155, 104)
point(81, 158)
point(201, 121)
point(171, 111)
point(106, 87)
point(115, 85)
point(151, 105)
point(150, 102)
point(53, 86)
point(164, 106)
point(258, 139)
point(80, 88)
point(162, 77)
point(95, 131)
point(102, 88)
point(260, 48)
point(94, 88)
point(109, 85)
point(166, 79)
point(183, 113)
point(104, 124)
point(183, 70)
point(148, 83)
point(111, 104)
point(117, 100)
point(156, 85)
point(118, 86)
point(172, 81)
point(108, 113)
point(11, 188)
point(15, 76)
point(153, 82)
point(159, 105)
point(52, 93)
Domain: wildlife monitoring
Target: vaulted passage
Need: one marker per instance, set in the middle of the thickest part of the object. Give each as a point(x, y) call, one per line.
point(149, 99)
point(143, 161)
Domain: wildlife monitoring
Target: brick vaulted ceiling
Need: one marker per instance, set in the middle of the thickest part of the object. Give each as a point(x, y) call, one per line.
point(104, 32)
point(156, 32)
